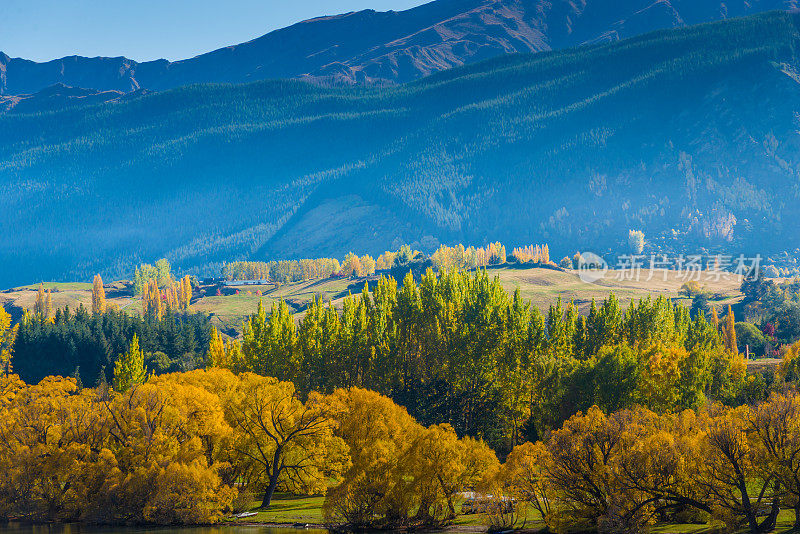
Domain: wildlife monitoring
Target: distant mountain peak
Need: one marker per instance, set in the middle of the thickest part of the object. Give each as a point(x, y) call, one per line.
point(390, 47)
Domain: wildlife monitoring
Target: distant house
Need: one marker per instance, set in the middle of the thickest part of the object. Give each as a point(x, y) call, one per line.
point(245, 282)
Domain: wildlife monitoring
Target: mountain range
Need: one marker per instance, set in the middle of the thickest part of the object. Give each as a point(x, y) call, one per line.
point(380, 48)
point(689, 134)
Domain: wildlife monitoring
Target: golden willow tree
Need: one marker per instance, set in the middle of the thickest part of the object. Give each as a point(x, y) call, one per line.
point(282, 440)
point(71, 454)
point(178, 448)
point(400, 474)
point(98, 296)
point(622, 472)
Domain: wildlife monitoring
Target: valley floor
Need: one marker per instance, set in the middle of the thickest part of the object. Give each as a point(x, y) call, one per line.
point(542, 287)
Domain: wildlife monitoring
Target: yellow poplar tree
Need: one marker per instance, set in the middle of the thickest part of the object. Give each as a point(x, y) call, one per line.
point(48, 310)
point(185, 292)
point(729, 332)
point(40, 306)
point(216, 350)
point(98, 296)
point(152, 299)
point(7, 335)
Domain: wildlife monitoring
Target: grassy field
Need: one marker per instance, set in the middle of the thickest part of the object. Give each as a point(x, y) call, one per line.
point(229, 311)
point(290, 509)
point(541, 287)
point(71, 294)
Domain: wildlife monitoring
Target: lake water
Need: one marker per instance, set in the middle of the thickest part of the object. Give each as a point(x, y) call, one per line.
point(23, 528)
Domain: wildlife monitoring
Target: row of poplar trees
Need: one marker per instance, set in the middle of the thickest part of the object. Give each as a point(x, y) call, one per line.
point(458, 348)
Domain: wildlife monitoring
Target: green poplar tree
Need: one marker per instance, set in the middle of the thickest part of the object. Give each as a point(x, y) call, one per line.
point(129, 369)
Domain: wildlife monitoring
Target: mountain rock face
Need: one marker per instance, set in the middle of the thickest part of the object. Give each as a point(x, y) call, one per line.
point(59, 96)
point(690, 135)
point(369, 47)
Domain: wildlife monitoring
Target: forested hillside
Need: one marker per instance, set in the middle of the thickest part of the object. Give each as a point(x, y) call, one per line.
point(689, 135)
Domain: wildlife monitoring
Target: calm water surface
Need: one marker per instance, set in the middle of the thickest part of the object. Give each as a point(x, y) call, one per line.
point(21, 528)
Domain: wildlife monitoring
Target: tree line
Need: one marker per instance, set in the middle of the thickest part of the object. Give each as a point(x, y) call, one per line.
point(395, 403)
point(623, 471)
point(457, 348)
point(191, 447)
point(445, 258)
point(86, 345)
point(453, 347)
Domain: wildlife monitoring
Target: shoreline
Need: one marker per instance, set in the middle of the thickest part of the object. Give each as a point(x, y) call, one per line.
point(463, 529)
point(460, 529)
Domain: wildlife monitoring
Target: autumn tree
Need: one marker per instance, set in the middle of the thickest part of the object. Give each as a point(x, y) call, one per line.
point(532, 254)
point(378, 433)
point(401, 474)
point(216, 351)
point(732, 475)
point(185, 292)
point(68, 454)
point(7, 336)
point(43, 306)
point(776, 423)
point(441, 465)
point(281, 440)
point(581, 471)
point(162, 471)
point(385, 261)
point(98, 295)
point(789, 368)
point(636, 241)
point(524, 477)
point(40, 305)
point(129, 369)
point(46, 436)
point(729, 332)
point(152, 302)
point(351, 267)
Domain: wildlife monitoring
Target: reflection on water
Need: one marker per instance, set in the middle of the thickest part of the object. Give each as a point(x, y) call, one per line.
point(24, 528)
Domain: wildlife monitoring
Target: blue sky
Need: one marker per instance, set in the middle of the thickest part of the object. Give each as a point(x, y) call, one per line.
point(150, 29)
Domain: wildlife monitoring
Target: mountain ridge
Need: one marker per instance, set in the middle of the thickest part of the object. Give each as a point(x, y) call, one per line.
point(690, 135)
point(380, 48)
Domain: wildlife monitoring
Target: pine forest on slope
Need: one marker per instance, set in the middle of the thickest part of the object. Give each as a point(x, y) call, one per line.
point(689, 135)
